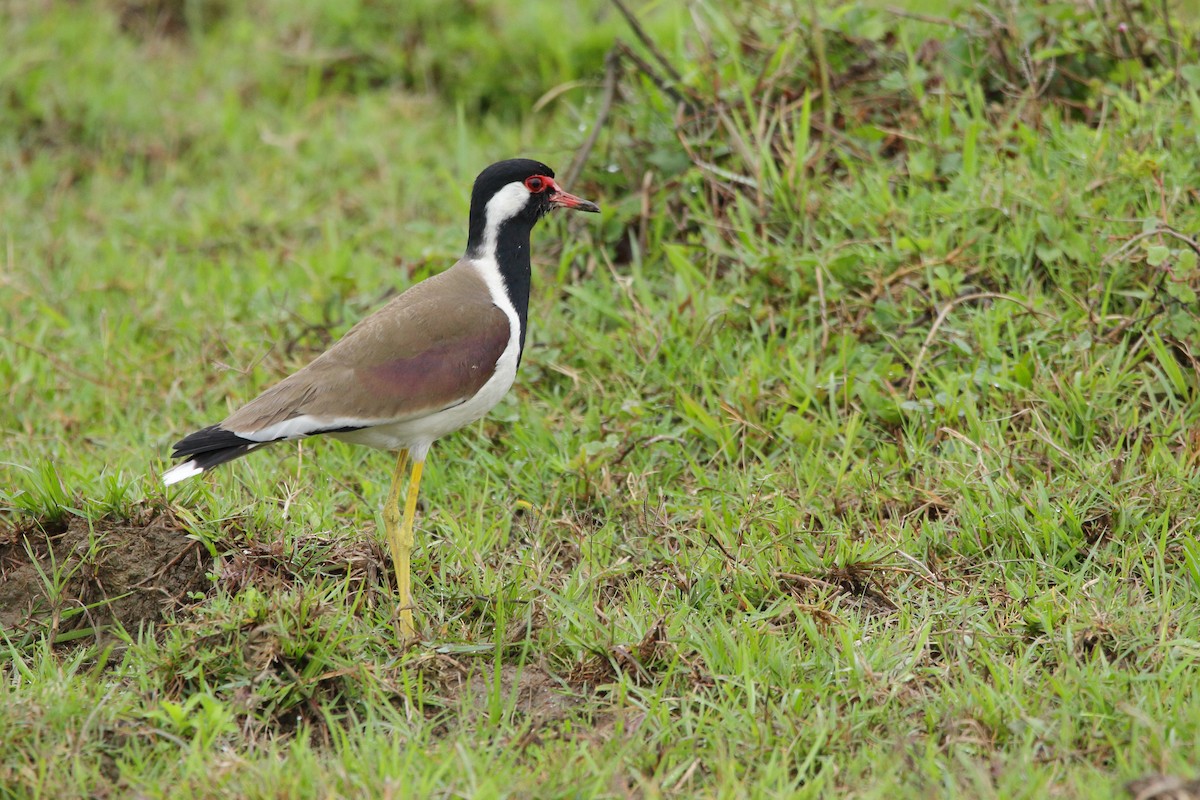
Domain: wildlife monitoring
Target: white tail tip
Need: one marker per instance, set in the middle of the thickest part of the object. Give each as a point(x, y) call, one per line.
point(181, 472)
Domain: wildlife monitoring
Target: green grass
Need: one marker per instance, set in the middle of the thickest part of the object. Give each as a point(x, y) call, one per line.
point(854, 452)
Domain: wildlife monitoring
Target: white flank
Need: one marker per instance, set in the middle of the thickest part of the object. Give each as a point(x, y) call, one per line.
point(301, 426)
point(181, 472)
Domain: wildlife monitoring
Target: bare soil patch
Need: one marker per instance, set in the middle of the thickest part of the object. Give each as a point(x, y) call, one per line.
point(541, 702)
point(92, 574)
point(536, 694)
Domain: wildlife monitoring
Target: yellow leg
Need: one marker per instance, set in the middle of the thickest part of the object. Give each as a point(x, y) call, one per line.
point(406, 546)
point(399, 544)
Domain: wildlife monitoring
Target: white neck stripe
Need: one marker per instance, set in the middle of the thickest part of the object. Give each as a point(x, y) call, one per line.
point(504, 205)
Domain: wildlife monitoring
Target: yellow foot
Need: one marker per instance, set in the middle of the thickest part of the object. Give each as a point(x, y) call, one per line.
point(406, 629)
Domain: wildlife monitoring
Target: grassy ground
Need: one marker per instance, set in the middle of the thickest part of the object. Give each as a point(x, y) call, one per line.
point(854, 453)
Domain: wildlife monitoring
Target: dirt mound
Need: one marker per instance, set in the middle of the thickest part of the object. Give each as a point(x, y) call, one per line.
point(90, 574)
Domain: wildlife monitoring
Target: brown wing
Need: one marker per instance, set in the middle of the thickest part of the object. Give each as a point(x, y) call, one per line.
point(430, 348)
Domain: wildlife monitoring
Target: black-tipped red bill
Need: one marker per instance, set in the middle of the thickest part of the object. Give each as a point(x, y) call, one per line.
point(567, 200)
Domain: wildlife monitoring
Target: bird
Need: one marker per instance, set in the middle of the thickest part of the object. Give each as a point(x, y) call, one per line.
point(435, 358)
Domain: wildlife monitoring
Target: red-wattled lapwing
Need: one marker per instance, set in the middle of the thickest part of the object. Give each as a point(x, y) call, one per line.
point(434, 359)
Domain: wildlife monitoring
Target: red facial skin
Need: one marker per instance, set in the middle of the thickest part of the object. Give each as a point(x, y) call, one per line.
point(543, 183)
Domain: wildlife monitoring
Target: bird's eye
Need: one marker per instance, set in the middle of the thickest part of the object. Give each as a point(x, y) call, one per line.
point(535, 184)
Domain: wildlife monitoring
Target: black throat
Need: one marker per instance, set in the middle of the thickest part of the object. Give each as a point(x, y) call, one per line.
point(512, 257)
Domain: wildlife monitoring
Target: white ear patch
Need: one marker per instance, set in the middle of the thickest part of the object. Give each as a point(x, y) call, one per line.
point(504, 205)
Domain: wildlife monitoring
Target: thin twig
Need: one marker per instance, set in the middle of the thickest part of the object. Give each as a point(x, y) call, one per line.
point(651, 73)
point(1161, 229)
point(1188, 240)
point(1176, 47)
point(883, 285)
point(924, 570)
point(728, 555)
point(728, 175)
point(818, 45)
point(931, 19)
point(824, 306)
point(58, 363)
point(612, 67)
point(796, 577)
point(708, 166)
point(941, 317)
point(163, 570)
point(647, 41)
point(643, 441)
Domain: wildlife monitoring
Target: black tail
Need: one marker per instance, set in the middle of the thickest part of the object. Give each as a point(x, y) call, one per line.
point(207, 448)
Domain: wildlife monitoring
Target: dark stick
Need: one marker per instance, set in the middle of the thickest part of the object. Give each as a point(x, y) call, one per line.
point(612, 66)
point(647, 41)
point(650, 73)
